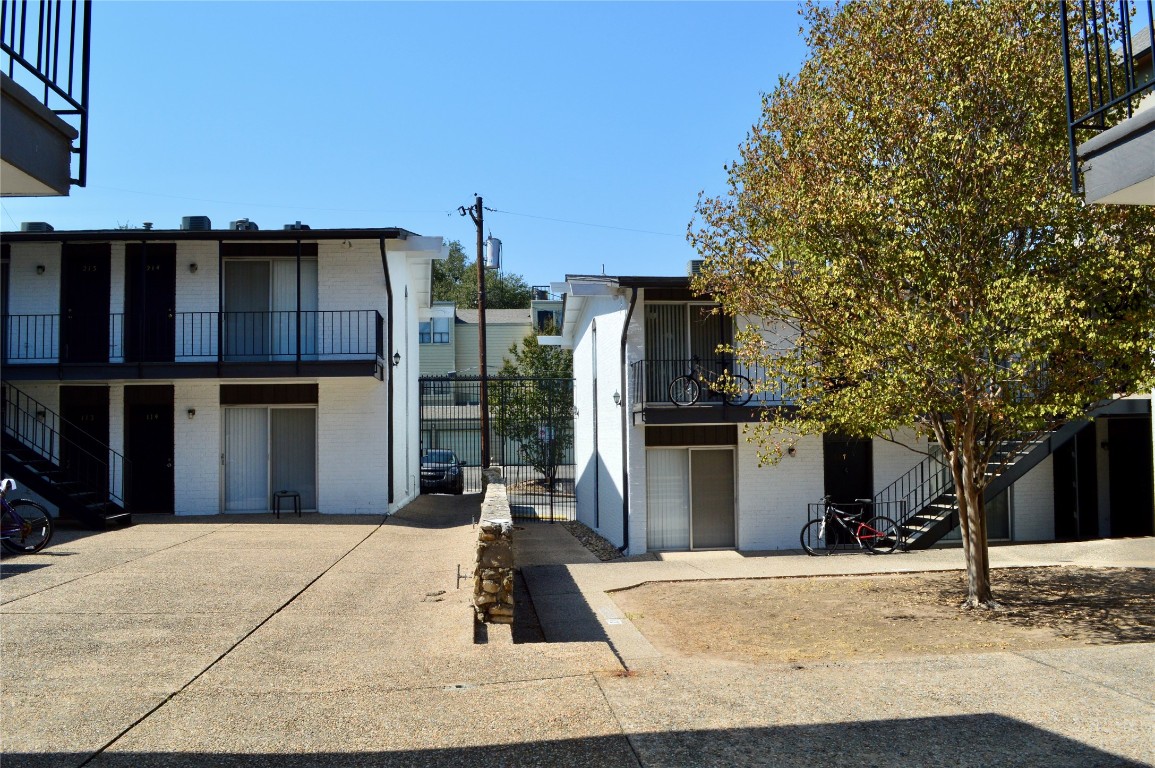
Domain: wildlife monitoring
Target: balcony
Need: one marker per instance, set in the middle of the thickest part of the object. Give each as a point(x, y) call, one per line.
point(43, 95)
point(1110, 83)
point(196, 345)
point(652, 404)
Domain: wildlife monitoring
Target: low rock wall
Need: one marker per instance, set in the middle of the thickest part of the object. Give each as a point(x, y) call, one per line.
point(493, 569)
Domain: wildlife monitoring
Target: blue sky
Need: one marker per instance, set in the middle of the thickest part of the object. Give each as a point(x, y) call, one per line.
point(376, 114)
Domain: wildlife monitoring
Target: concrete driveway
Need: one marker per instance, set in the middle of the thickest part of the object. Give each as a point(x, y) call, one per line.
point(335, 641)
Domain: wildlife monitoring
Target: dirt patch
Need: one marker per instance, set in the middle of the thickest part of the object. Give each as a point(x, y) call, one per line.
point(819, 619)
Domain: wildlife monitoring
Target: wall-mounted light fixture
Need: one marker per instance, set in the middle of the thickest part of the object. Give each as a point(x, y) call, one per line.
point(791, 451)
point(617, 398)
point(396, 359)
point(193, 268)
point(1104, 445)
point(192, 412)
point(40, 269)
point(42, 415)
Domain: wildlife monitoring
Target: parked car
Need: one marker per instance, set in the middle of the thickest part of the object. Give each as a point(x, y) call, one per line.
point(442, 472)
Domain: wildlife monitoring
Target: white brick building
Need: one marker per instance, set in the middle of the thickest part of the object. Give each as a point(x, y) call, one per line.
point(198, 371)
point(653, 476)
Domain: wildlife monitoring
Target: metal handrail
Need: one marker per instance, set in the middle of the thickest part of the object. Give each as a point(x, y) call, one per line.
point(50, 42)
point(37, 427)
point(651, 379)
point(1106, 47)
point(201, 336)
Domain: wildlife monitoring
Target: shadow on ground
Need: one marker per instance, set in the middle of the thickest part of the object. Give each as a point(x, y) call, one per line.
point(986, 739)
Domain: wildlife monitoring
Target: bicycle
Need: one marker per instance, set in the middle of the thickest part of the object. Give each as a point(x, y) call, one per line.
point(686, 389)
point(879, 534)
point(25, 526)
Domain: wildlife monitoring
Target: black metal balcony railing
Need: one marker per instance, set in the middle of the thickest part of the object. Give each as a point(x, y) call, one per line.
point(205, 337)
point(1107, 63)
point(651, 381)
point(46, 46)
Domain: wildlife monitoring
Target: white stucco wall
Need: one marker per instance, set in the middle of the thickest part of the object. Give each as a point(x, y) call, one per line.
point(1033, 504)
point(772, 500)
point(597, 376)
point(197, 447)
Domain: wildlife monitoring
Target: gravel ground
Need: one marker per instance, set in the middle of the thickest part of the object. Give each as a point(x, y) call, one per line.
point(602, 548)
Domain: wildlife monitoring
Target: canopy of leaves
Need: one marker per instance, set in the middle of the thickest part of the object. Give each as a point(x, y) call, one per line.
point(455, 279)
point(902, 221)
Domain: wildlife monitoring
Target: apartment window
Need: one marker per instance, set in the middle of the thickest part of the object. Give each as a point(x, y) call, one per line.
point(435, 331)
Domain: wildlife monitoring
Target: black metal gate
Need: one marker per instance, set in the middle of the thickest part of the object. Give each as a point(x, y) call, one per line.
point(530, 437)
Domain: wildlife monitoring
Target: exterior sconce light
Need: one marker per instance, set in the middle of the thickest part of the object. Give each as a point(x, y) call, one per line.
point(617, 398)
point(791, 451)
point(192, 412)
point(41, 415)
point(396, 359)
point(40, 269)
point(193, 268)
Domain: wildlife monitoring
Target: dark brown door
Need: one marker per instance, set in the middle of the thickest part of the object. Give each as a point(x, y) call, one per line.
point(150, 302)
point(1076, 487)
point(847, 469)
point(85, 283)
point(1129, 447)
point(84, 435)
point(148, 447)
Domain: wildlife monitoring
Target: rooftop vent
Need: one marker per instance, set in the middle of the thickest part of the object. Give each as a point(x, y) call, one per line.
point(36, 226)
point(243, 225)
point(298, 225)
point(146, 225)
point(196, 223)
point(694, 267)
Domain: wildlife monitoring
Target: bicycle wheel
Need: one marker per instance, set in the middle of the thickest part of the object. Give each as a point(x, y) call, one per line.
point(684, 391)
point(882, 536)
point(739, 390)
point(36, 530)
point(815, 538)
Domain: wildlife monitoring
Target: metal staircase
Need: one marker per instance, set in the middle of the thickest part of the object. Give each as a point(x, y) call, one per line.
point(924, 501)
point(59, 461)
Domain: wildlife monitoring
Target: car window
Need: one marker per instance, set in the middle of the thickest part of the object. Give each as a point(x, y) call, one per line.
point(439, 457)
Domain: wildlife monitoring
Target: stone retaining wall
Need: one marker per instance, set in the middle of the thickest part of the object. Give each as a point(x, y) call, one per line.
point(493, 569)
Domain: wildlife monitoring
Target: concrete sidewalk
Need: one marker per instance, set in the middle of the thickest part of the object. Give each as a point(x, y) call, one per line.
point(333, 641)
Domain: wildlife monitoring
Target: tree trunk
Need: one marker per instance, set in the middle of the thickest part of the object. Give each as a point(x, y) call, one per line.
point(960, 452)
point(970, 488)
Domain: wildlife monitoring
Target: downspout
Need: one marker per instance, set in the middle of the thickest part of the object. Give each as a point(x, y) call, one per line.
point(388, 365)
point(626, 410)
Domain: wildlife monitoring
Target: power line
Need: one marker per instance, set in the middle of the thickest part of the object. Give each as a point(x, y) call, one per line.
point(585, 223)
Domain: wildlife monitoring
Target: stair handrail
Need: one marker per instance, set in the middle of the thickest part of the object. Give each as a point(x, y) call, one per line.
point(43, 435)
point(916, 488)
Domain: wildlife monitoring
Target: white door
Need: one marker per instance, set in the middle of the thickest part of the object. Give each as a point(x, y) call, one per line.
point(246, 459)
point(269, 449)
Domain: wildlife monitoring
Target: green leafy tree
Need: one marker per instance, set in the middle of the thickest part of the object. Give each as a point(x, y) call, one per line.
point(901, 219)
point(532, 402)
point(455, 279)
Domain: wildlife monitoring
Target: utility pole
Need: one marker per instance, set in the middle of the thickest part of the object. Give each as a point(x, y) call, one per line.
point(476, 213)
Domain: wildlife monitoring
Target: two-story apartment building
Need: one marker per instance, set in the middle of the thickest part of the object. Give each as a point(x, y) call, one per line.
point(652, 475)
point(202, 370)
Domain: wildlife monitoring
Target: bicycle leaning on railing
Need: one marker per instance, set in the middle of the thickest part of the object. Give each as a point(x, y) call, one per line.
point(25, 526)
point(837, 526)
point(734, 388)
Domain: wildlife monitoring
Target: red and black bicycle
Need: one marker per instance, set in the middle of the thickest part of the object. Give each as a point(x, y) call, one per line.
point(838, 528)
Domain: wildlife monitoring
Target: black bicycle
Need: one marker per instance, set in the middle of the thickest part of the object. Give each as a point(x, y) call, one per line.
point(26, 526)
point(837, 527)
point(733, 388)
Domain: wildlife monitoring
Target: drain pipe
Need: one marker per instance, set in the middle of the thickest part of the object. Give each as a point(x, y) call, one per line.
point(388, 368)
point(625, 426)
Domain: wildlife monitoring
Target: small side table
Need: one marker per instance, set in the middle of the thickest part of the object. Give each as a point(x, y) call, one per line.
point(280, 496)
